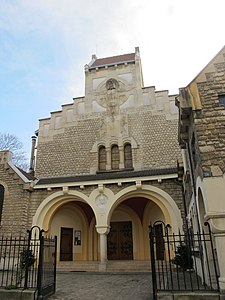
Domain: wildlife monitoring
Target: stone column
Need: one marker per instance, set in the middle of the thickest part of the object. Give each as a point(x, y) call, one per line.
point(108, 158)
point(121, 151)
point(103, 231)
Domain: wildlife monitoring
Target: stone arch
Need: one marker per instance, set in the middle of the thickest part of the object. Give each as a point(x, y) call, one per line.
point(50, 205)
point(162, 199)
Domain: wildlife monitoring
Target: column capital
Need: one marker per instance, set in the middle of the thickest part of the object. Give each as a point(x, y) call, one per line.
point(101, 229)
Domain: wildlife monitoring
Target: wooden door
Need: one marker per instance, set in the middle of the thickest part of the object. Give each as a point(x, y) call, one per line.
point(160, 247)
point(120, 241)
point(66, 244)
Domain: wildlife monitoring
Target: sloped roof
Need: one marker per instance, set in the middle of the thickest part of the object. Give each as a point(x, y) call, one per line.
point(107, 175)
point(27, 175)
point(113, 60)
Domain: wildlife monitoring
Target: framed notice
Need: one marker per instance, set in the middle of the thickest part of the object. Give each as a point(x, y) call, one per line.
point(77, 237)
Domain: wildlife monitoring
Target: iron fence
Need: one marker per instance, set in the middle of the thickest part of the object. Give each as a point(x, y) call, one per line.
point(18, 262)
point(182, 262)
point(28, 262)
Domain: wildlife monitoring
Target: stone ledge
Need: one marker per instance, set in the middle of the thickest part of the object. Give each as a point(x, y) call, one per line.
point(200, 295)
point(16, 294)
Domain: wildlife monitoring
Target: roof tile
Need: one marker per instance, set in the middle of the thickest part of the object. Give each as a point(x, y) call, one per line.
point(113, 60)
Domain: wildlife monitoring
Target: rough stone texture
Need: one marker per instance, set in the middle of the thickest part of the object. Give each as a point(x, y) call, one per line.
point(206, 117)
point(16, 202)
point(210, 124)
point(116, 109)
point(69, 153)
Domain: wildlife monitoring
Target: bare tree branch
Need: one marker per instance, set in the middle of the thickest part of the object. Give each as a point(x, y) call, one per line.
point(11, 142)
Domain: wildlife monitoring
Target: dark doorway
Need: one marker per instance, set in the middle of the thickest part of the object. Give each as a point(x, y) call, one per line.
point(120, 241)
point(66, 244)
point(160, 248)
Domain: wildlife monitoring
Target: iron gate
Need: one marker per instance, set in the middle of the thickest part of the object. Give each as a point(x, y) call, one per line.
point(29, 262)
point(46, 283)
point(182, 262)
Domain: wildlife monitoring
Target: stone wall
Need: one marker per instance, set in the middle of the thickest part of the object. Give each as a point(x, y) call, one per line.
point(16, 200)
point(210, 122)
point(74, 151)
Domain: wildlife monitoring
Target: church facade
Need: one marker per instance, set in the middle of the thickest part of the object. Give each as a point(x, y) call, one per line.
point(103, 169)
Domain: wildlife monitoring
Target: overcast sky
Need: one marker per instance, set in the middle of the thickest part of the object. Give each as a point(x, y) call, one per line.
point(44, 45)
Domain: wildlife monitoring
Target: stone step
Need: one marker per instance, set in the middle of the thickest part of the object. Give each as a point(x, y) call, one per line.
point(111, 266)
point(126, 266)
point(77, 266)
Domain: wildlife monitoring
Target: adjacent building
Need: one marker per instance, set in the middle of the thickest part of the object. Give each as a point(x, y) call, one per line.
point(202, 139)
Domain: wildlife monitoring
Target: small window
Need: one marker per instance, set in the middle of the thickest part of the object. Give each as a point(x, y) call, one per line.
point(102, 158)
point(115, 159)
point(2, 192)
point(128, 156)
point(222, 100)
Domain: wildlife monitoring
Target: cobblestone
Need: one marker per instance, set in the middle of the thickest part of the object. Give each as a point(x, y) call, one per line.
point(102, 286)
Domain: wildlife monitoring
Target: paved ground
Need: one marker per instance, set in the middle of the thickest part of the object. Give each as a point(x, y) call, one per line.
point(101, 286)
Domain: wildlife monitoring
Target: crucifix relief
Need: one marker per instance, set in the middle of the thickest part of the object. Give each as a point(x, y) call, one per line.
point(112, 86)
point(111, 96)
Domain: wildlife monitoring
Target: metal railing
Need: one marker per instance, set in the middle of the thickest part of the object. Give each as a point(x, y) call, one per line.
point(182, 262)
point(28, 262)
point(18, 263)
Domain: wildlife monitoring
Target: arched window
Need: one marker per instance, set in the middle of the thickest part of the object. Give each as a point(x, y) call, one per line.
point(2, 191)
point(128, 156)
point(115, 158)
point(102, 158)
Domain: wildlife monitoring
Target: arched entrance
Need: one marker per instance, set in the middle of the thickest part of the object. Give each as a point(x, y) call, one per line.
point(73, 221)
point(128, 238)
point(82, 223)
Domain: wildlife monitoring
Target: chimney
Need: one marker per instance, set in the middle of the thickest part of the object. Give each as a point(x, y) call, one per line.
point(32, 157)
point(137, 51)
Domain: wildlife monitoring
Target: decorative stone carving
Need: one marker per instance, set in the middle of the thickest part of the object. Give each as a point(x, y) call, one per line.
point(111, 95)
point(112, 84)
point(101, 201)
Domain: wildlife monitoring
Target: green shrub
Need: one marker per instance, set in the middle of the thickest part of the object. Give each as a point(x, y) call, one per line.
point(183, 257)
